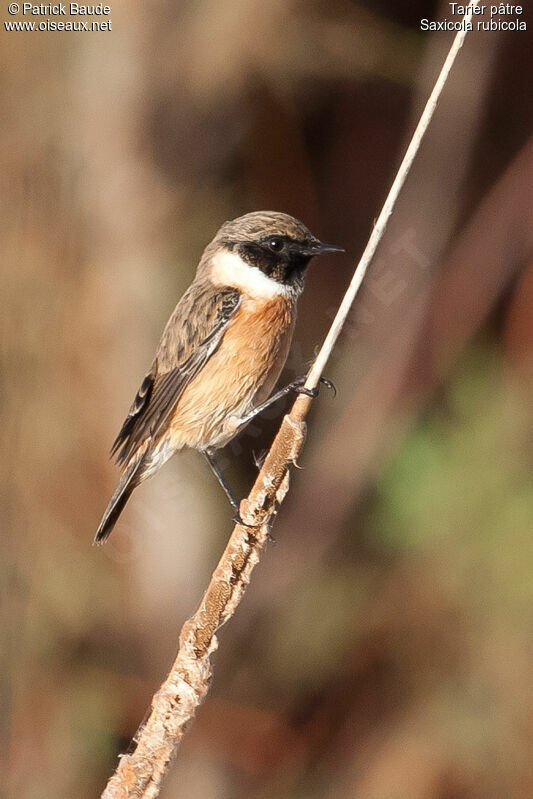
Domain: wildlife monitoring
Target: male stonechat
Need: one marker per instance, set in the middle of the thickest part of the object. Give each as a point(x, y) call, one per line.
point(222, 350)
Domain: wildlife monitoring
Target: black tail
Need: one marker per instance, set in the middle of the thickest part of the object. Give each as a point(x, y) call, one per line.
point(129, 480)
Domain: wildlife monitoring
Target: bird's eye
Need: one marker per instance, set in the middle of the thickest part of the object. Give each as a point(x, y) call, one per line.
point(276, 245)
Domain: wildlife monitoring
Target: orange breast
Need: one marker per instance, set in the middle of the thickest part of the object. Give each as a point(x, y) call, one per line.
point(238, 376)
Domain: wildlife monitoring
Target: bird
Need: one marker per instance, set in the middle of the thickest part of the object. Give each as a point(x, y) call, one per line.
point(221, 352)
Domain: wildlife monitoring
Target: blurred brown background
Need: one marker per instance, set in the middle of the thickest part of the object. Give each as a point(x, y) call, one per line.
point(385, 647)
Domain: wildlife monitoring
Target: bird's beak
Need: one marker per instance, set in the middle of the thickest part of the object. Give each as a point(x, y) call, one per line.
point(321, 249)
point(316, 247)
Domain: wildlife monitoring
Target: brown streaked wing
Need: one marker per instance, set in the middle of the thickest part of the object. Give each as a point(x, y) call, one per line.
point(192, 335)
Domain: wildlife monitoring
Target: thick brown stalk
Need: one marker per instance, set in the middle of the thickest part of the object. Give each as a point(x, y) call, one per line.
point(140, 773)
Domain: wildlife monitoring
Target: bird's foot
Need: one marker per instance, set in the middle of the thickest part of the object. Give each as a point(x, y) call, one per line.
point(237, 518)
point(299, 387)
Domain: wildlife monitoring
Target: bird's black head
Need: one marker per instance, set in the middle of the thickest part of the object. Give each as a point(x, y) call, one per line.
point(277, 244)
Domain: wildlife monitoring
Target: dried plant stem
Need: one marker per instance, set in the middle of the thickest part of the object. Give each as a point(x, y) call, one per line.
point(388, 207)
point(139, 775)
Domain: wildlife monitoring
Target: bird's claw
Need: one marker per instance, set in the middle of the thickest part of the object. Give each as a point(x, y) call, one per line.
point(237, 518)
point(259, 458)
point(329, 384)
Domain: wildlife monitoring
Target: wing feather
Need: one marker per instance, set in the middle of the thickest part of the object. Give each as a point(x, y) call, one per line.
point(193, 333)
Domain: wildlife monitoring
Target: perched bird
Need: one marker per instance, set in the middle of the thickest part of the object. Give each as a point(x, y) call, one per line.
point(221, 352)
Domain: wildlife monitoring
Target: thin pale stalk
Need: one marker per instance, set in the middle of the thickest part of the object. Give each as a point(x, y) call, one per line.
point(321, 359)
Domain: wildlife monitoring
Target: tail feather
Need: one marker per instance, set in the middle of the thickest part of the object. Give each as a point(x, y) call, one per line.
point(129, 480)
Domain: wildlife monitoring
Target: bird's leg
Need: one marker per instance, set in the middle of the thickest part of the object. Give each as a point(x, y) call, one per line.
point(210, 458)
point(215, 468)
point(297, 386)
